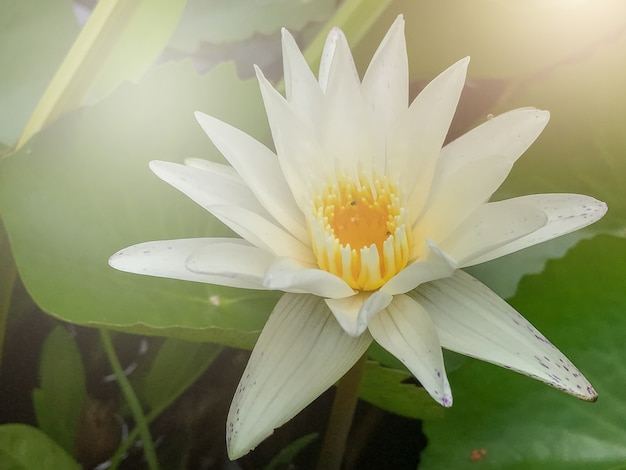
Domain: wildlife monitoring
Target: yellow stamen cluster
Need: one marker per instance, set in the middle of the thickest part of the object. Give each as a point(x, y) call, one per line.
point(359, 231)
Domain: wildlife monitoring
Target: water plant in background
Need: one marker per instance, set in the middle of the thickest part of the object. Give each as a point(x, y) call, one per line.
point(354, 156)
point(364, 220)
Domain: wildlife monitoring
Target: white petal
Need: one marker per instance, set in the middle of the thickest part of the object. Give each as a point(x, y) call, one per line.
point(259, 168)
point(231, 261)
point(354, 313)
point(508, 135)
point(447, 211)
point(385, 85)
point(301, 352)
point(406, 331)
point(168, 258)
point(299, 153)
point(472, 167)
point(288, 275)
point(347, 133)
point(491, 226)
point(565, 212)
point(217, 184)
point(262, 233)
point(202, 164)
point(301, 87)
point(432, 264)
point(335, 38)
point(474, 321)
point(417, 142)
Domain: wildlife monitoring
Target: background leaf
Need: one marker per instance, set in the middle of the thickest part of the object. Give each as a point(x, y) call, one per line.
point(140, 43)
point(579, 303)
point(25, 448)
point(176, 366)
point(286, 455)
point(81, 190)
point(59, 399)
point(35, 35)
point(227, 21)
point(395, 390)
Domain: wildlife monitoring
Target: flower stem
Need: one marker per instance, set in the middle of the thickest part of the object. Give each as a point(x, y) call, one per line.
point(340, 421)
point(131, 400)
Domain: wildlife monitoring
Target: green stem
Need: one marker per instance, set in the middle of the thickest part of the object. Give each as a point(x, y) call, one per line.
point(131, 399)
point(340, 421)
point(132, 437)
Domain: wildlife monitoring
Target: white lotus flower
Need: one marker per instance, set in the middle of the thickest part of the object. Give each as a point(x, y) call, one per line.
point(363, 220)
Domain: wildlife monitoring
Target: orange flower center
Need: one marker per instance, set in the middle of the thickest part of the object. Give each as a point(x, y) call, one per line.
point(359, 231)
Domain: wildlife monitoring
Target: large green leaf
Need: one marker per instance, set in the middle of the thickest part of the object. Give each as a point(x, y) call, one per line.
point(59, 399)
point(227, 21)
point(140, 43)
point(81, 190)
point(25, 448)
point(34, 37)
point(579, 303)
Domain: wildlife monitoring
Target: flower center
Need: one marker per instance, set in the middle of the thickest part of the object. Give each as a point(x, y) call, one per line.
point(358, 229)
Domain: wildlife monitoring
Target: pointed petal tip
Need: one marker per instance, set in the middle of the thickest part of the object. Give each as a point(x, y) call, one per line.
point(529, 113)
point(205, 121)
point(446, 401)
point(457, 73)
point(158, 166)
point(199, 115)
point(235, 448)
point(113, 260)
point(286, 37)
point(592, 397)
point(398, 23)
point(462, 64)
point(582, 391)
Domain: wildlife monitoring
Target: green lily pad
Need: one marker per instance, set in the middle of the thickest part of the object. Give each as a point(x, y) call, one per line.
point(393, 390)
point(81, 190)
point(579, 303)
point(24, 448)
